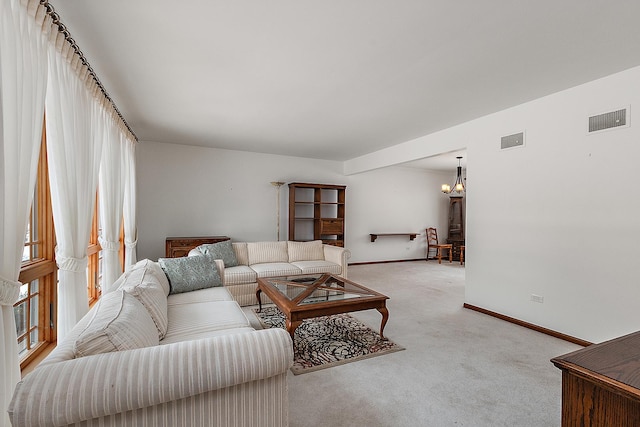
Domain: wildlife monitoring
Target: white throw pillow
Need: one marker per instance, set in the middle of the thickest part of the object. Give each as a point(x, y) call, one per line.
point(154, 267)
point(119, 322)
point(143, 284)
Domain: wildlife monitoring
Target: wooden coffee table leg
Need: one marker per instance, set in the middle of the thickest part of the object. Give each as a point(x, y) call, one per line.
point(291, 326)
point(258, 292)
point(385, 317)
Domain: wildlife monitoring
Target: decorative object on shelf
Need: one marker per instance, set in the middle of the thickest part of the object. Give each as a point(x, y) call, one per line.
point(316, 212)
point(277, 185)
point(458, 186)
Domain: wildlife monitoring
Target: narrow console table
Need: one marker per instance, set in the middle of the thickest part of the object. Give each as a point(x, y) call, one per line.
point(375, 236)
point(601, 384)
point(180, 246)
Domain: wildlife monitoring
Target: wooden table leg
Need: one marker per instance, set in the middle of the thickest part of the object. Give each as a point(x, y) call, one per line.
point(258, 292)
point(291, 326)
point(439, 255)
point(385, 317)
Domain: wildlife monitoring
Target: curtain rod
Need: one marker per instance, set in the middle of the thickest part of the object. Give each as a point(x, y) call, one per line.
point(63, 29)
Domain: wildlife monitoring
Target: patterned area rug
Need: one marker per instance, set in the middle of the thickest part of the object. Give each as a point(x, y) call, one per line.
point(323, 342)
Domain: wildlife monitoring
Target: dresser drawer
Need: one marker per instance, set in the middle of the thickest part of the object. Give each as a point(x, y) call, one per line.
point(331, 226)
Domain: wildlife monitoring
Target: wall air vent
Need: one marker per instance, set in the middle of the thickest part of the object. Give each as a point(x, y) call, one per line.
point(612, 119)
point(511, 141)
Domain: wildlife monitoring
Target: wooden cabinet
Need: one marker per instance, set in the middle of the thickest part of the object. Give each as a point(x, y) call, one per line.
point(180, 246)
point(456, 225)
point(601, 384)
point(316, 212)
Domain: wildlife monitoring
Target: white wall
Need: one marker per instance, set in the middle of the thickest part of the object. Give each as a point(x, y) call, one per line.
point(196, 191)
point(558, 218)
point(394, 200)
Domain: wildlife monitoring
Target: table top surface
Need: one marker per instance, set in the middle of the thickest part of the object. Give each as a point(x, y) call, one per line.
point(306, 291)
point(617, 359)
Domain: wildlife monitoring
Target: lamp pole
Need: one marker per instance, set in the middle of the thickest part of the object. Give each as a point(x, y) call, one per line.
point(277, 185)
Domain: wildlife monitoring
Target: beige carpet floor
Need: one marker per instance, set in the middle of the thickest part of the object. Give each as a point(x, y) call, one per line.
point(460, 367)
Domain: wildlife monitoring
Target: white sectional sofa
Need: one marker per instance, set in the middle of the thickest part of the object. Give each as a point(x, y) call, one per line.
point(245, 262)
point(143, 356)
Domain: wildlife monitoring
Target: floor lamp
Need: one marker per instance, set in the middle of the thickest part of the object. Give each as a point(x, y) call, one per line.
point(277, 184)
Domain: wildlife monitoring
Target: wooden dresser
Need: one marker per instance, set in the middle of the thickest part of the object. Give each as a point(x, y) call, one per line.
point(601, 384)
point(180, 246)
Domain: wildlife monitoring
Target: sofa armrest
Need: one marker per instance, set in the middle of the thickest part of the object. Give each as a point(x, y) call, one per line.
point(337, 255)
point(105, 384)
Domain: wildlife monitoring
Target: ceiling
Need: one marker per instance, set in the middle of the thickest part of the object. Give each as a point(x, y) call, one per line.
point(338, 79)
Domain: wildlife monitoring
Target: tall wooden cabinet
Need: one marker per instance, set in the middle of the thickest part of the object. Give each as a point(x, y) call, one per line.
point(456, 225)
point(316, 212)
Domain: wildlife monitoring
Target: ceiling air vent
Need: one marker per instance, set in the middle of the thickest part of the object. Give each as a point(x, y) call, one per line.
point(612, 119)
point(511, 141)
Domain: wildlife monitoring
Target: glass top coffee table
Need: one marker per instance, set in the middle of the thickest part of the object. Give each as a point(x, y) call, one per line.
point(305, 296)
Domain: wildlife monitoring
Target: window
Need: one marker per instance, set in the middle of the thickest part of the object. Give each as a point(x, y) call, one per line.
point(35, 309)
point(94, 253)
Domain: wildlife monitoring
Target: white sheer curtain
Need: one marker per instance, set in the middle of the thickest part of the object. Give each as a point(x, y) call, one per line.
point(23, 77)
point(130, 225)
point(74, 160)
point(110, 201)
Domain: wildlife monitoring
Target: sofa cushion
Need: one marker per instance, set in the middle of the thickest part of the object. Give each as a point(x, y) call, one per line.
point(240, 248)
point(315, 267)
point(239, 274)
point(305, 251)
point(190, 273)
point(143, 284)
point(261, 252)
point(218, 293)
point(221, 250)
point(273, 269)
point(119, 322)
point(198, 320)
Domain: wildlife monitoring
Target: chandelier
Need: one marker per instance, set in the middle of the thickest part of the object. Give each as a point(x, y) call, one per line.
point(458, 186)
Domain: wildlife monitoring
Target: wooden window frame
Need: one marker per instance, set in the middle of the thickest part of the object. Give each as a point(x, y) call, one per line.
point(43, 268)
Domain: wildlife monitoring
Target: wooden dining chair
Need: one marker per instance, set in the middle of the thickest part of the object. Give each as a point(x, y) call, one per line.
point(432, 243)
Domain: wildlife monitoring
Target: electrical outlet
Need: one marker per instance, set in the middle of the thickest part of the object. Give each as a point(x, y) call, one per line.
point(537, 298)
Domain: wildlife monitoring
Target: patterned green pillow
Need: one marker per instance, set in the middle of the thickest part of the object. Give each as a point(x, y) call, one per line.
point(221, 250)
point(190, 273)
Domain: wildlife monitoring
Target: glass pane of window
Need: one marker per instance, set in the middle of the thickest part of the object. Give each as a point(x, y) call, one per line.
point(35, 209)
point(26, 253)
point(34, 287)
point(34, 337)
point(24, 291)
point(34, 311)
point(22, 345)
point(20, 313)
point(99, 281)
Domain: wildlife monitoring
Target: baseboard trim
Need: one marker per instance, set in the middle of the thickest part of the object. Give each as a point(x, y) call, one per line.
point(385, 262)
point(528, 325)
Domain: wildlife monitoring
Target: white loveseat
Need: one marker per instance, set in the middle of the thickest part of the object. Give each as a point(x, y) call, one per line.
point(144, 357)
point(251, 260)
